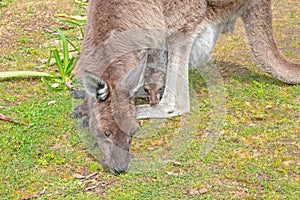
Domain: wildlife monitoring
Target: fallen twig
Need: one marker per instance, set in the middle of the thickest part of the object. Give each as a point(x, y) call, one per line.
point(79, 176)
point(30, 197)
point(6, 118)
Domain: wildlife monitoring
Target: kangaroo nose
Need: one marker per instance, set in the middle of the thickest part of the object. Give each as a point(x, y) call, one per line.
point(119, 170)
point(153, 100)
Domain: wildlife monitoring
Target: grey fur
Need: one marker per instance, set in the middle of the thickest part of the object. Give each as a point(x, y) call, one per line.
point(120, 29)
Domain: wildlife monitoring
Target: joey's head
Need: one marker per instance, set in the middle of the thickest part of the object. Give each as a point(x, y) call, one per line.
point(154, 84)
point(112, 121)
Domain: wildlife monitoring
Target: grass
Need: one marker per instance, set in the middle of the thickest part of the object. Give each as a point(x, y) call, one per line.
point(4, 3)
point(256, 158)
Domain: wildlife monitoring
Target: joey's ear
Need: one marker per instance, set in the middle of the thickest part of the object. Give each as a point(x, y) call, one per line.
point(95, 86)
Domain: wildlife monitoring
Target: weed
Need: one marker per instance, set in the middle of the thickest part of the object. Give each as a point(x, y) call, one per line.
point(65, 65)
point(24, 40)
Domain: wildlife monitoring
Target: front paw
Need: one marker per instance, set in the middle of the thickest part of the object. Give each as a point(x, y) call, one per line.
point(78, 94)
point(79, 112)
point(85, 122)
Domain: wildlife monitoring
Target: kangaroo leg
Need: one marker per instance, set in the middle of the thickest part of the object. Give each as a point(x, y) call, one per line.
point(78, 94)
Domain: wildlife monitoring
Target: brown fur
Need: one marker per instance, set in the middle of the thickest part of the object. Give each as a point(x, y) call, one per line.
point(186, 16)
point(154, 84)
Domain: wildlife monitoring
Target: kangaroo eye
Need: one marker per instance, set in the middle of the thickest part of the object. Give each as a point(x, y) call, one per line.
point(146, 90)
point(160, 89)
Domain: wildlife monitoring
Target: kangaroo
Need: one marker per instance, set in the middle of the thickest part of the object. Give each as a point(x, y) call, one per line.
point(109, 100)
point(154, 76)
point(154, 84)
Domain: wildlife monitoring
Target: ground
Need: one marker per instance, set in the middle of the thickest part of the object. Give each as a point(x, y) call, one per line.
point(257, 157)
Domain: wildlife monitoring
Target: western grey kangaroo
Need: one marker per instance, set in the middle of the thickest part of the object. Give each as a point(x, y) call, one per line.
point(109, 100)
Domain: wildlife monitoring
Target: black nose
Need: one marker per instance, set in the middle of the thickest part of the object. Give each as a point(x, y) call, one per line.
point(122, 168)
point(116, 169)
point(116, 172)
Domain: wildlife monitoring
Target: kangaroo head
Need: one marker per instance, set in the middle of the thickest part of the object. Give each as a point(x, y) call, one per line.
point(112, 120)
point(154, 84)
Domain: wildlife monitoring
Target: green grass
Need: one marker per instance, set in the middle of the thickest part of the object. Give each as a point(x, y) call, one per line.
point(256, 158)
point(4, 3)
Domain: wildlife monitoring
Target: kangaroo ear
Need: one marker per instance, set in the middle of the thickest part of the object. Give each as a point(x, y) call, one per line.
point(134, 79)
point(95, 86)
